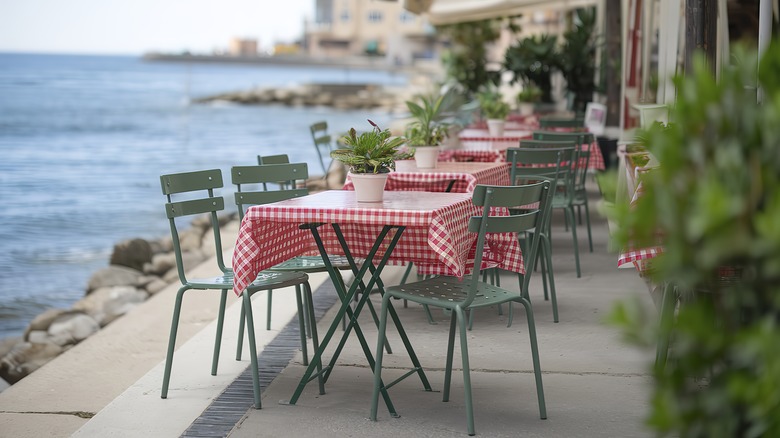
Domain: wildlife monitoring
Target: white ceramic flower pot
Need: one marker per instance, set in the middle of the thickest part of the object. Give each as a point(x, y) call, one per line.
point(369, 187)
point(496, 127)
point(526, 108)
point(426, 157)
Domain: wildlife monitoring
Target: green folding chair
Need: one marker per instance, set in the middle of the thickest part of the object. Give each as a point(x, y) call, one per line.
point(460, 297)
point(192, 193)
point(584, 140)
point(323, 144)
point(254, 186)
point(563, 198)
point(529, 165)
point(562, 122)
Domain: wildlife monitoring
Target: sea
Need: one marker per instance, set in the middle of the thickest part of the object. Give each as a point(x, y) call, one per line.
point(84, 140)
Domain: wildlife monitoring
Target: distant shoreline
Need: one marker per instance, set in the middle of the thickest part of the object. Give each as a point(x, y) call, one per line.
point(365, 63)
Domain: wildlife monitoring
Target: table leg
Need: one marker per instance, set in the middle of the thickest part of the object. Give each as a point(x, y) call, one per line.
point(346, 298)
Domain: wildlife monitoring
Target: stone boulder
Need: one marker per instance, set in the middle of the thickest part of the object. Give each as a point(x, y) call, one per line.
point(106, 304)
point(132, 253)
point(25, 358)
point(43, 321)
point(72, 328)
point(113, 276)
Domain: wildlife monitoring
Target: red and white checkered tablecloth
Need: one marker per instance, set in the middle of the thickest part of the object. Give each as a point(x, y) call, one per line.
point(408, 177)
point(472, 156)
point(436, 238)
point(640, 257)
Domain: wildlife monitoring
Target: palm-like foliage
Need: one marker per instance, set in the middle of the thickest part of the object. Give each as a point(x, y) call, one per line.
point(532, 60)
point(374, 151)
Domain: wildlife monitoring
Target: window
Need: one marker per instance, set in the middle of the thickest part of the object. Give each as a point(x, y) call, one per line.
point(375, 16)
point(344, 17)
point(407, 17)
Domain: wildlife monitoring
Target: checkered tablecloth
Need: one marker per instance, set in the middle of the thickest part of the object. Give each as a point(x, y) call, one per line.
point(640, 257)
point(478, 146)
point(466, 175)
point(436, 238)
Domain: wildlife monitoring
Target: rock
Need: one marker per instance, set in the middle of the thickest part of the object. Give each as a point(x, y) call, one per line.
point(107, 303)
point(25, 358)
point(43, 321)
point(113, 276)
point(38, 336)
point(156, 285)
point(132, 253)
point(72, 328)
point(3, 385)
point(8, 343)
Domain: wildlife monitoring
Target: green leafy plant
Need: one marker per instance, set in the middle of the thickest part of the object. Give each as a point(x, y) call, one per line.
point(577, 57)
point(714, 203)
point(373, 151)
point(529, 95)
point(492, 104)
point(532, 62)
point(428, 128)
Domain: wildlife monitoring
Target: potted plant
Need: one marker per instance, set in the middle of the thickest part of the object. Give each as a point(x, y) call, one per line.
point(369, 156)
point(428, 129)
point(532, 62)
point(495, 110)
point(527, 98)
point(577, 58)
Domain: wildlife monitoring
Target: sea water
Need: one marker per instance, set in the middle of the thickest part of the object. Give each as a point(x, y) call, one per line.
point(84, 140)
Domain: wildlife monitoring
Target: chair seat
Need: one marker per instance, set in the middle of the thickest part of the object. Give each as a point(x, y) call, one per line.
point(310, 264)
point(449, 292)
point(265, 280)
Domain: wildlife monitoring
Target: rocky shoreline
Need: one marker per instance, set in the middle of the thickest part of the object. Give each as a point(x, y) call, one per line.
point(137, 270)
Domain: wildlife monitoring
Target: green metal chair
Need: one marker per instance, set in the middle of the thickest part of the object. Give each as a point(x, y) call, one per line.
point(192, 193)
point(542, 164)
point(563, 197)
point(562, 122)
point(584, 139)
point(252, 188)
point(323, 144)
point(471, 293)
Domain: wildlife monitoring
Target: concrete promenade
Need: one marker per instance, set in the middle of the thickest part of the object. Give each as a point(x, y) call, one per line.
point(595, 384)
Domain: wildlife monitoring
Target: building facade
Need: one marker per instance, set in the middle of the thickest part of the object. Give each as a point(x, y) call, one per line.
point(344, 28)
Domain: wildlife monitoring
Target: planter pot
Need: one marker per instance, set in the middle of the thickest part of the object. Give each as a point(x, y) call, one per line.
point(369, 187)
point(526, 108)
point(426, 157)
point(496, 127)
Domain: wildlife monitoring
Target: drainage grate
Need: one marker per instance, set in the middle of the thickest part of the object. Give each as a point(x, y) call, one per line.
point(230, 406)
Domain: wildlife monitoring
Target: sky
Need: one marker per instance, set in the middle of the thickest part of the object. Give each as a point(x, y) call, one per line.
point(139, 26)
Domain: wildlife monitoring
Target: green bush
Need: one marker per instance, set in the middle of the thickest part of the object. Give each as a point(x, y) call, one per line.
point(714, 203)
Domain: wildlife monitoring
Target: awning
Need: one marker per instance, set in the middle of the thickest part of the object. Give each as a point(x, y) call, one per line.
point(456, 11)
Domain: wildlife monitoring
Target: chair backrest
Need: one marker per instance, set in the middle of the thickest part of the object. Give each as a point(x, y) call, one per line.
point(322, 144)
point(273, 159)
point(531, 220)
point(584, 140)
point(568, 183)
point(246, 178)
point(562, 122)
point(189, 194)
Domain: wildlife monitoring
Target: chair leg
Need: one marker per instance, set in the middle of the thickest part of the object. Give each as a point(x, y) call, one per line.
point(250, 326)
point(464, 352)
point(313, 330)
point(172, 341)
point(551, 277)
point(448, 366)
point(240, 343)
point(220, 324)
point(587, 222)
point(268, 311)
point(301, 324)
point(529, 312)
point(570, 215)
